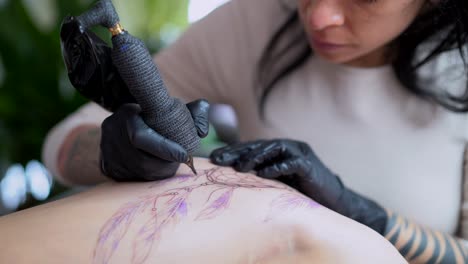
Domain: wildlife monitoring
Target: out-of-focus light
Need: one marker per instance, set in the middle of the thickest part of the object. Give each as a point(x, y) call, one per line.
point(13, 187)
point(42, 12)
point(199, 8)
point(39, 180)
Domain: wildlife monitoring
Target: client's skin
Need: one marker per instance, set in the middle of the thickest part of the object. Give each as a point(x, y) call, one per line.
point(219, 216)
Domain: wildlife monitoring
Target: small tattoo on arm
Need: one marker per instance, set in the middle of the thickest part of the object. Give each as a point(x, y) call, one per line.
point(80, 155)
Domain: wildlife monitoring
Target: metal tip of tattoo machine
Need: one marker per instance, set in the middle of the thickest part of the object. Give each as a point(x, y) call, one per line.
point(117, 29)
point(190, 164)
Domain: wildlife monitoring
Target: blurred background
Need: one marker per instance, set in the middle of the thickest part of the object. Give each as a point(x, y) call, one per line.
point(35, 92)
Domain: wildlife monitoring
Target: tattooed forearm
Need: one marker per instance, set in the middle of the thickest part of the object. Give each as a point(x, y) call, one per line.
point(166, 209)
point(423, 246)
point(79, 156)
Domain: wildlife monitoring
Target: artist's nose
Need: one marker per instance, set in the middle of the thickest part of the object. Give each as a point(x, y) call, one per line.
point(322, 14)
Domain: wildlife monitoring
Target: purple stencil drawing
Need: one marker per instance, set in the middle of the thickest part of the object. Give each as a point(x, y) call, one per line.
point(169, 214)
point(218, 205)
point(287, 203)
point(112, 233)
point(182, 210)
point(163, 211)
point(146, 237)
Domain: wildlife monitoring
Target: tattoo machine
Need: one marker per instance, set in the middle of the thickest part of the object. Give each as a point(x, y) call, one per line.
point(166, 115)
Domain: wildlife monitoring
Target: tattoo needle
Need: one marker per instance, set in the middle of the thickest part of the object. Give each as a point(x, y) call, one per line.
point(190, 164)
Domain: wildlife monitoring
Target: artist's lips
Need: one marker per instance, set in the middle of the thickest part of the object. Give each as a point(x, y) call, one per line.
point(325, 46)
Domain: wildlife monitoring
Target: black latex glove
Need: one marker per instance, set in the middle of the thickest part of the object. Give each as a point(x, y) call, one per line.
point(90, 68)
point(295, 164)
point(132, 151)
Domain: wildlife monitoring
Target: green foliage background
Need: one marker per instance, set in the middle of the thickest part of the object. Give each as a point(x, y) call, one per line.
point(35, 92)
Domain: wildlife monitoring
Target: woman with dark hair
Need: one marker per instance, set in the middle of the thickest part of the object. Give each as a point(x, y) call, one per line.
point(374, 91)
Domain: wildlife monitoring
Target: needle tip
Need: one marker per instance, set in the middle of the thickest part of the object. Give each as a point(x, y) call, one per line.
point(191, 166)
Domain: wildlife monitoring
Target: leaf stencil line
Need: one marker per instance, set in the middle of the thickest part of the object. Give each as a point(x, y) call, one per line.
point(287, 203)
point(217, 206)
point(150, 233)
point(112, 233)
point(144, 241)
point(213, 192)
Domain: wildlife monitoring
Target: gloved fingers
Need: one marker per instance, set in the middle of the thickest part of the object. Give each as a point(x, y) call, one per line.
point(113, 123)
point(292, 166)
point(228, 155)
point(141, 136)
point(199, 110)
point(128, 110)
point(259, 156)
point(225, 156)
point(151, 170)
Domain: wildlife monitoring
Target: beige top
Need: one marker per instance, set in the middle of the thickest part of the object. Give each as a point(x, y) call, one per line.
point(385, 143)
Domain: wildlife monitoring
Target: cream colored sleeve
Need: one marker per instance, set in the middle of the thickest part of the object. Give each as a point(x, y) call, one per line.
point(217, 57)
point(89, 114)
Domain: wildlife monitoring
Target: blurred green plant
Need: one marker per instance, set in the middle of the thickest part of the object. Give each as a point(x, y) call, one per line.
point(35, 92)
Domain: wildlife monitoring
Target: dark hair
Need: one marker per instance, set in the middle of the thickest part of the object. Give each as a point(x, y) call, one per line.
point(444, 26)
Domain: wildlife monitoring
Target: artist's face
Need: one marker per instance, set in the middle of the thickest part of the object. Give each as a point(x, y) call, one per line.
point(356, 32)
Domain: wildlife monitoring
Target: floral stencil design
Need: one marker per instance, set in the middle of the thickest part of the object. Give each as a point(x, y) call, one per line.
point(166, 209)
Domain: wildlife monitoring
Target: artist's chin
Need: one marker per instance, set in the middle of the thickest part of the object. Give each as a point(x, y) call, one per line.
point(348, 59)
point(333, 58)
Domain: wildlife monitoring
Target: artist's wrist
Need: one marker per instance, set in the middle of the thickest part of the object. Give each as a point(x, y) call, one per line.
point(364, 211)
point(378, 221)
point(393, 224)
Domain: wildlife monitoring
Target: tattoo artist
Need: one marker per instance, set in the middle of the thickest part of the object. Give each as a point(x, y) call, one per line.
point(380, 133)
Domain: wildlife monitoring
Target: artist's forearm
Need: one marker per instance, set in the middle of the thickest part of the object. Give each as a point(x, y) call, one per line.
point(421, 245)
point(78, 161)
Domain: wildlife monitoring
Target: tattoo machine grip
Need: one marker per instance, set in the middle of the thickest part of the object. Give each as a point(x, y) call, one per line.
point(166, 115)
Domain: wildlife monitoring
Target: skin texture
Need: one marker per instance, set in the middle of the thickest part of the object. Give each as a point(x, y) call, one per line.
point(219, 216)
point(365, 27)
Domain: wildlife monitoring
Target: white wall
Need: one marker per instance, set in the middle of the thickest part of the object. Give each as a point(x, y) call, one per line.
point(200, 8)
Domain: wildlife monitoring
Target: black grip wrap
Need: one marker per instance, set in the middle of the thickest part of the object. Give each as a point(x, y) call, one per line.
point(166, 115)
point(102, 13)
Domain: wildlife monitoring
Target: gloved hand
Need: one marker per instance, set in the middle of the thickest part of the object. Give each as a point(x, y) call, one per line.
point(90, 68)
point(132, 151)
point(295, 164)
